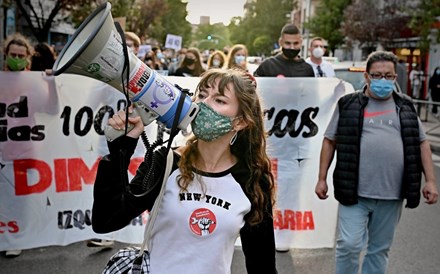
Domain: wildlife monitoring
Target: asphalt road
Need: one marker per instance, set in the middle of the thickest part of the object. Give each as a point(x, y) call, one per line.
point(415, 250)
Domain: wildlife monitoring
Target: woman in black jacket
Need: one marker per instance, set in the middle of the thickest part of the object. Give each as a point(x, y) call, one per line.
point(434, 86)
point(220, 186)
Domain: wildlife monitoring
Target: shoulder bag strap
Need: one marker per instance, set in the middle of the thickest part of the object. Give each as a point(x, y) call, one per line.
point(153, 213)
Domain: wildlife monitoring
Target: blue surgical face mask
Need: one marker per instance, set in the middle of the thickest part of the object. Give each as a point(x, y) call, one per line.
point(437, 72)
point(382, 88)
point(239, 59)
point(159, 55)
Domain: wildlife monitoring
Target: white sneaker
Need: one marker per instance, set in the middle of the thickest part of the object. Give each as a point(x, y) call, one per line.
point(100, 243)
point(13, 253)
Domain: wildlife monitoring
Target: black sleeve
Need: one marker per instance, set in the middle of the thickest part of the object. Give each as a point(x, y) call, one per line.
point(309, 72)
point(258, 244)
point(259, 71)
point(179, 72)
point(113, 205)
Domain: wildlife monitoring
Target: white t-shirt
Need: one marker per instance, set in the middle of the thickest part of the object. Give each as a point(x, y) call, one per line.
point(325, 66)
point(415, 77)
point(211, 225)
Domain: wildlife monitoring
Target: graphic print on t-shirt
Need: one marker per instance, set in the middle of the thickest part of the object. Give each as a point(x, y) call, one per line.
point(379, 114)
point(202, 222)
point(368, 114)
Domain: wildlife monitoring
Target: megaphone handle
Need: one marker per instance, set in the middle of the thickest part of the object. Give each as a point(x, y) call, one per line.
point(147, 118)
point(111, 134)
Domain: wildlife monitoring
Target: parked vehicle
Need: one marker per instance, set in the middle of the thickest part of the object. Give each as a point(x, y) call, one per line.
point(351, 72)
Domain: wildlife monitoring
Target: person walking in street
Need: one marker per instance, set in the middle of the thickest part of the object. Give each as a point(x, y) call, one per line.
point(43, 57)
point(220, 186)
point(402, 76)
point(416, 78)
point(18, 52)
point(18, 55)
point(286, 63)
point(191, 65)
point(321, 67)
point(237, 57)
point(177, 61)
point(434, 87)
point(132, 41)
point(217, 59)
point(382, 152)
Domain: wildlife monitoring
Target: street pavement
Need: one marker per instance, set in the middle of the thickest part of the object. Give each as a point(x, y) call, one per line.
point(415, 249)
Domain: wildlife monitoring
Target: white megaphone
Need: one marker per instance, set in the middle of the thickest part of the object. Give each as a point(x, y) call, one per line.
point(96, 51)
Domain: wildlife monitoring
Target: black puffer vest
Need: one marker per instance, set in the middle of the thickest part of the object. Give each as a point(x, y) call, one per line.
point(351, 117)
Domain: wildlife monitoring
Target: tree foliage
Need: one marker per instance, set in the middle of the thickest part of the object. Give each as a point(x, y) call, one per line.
point(327, 21)
point(424, 14)
point(172, 20)
point(138, 15)
point(214, 36)
point(260, 28)
point(338, 21)
point(52, 13)
point(151, 20)
point(371, 24)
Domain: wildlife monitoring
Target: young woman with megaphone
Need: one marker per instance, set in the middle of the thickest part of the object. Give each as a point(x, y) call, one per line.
point(220, 185)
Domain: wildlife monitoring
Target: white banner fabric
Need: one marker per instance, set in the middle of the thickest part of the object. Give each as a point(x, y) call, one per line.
point(51, 140)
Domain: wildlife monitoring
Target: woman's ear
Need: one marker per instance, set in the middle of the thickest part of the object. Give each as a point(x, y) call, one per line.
point(239, 123)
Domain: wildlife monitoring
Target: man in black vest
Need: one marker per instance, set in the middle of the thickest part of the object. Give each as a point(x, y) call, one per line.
point(381, 153)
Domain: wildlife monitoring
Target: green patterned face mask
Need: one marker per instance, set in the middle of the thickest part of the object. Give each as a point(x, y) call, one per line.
point(16, 64)
point(209, 124)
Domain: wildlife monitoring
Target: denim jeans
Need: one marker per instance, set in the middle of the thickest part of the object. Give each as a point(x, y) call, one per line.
point(370, 223)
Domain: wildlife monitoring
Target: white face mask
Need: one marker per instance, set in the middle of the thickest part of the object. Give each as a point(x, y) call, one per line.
point(318, 52)
point(216, 63)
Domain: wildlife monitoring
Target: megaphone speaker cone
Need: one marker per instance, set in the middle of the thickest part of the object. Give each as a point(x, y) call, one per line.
point(96, 51)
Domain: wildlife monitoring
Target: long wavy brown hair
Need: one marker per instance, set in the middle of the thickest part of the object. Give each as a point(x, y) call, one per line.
point(249, 147)
point(230, 59)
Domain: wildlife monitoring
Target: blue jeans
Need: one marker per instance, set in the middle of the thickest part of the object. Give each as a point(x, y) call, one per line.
point(370, 222)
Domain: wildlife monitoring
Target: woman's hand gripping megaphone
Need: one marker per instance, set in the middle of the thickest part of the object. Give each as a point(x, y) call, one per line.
point(138, 118)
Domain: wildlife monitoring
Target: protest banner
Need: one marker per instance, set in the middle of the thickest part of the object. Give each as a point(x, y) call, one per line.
point(51, 141)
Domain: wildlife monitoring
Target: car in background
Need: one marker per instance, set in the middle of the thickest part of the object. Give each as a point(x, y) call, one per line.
point(351, 72)
point(254, 59)
point(253, 62)
point(331, 59)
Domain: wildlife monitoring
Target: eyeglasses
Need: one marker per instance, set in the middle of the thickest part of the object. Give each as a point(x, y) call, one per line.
point(378, 76)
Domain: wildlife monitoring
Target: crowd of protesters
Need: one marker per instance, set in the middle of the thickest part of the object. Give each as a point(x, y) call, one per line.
point(380, 75)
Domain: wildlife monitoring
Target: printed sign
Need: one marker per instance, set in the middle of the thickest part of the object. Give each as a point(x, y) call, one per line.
point(51, 141)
